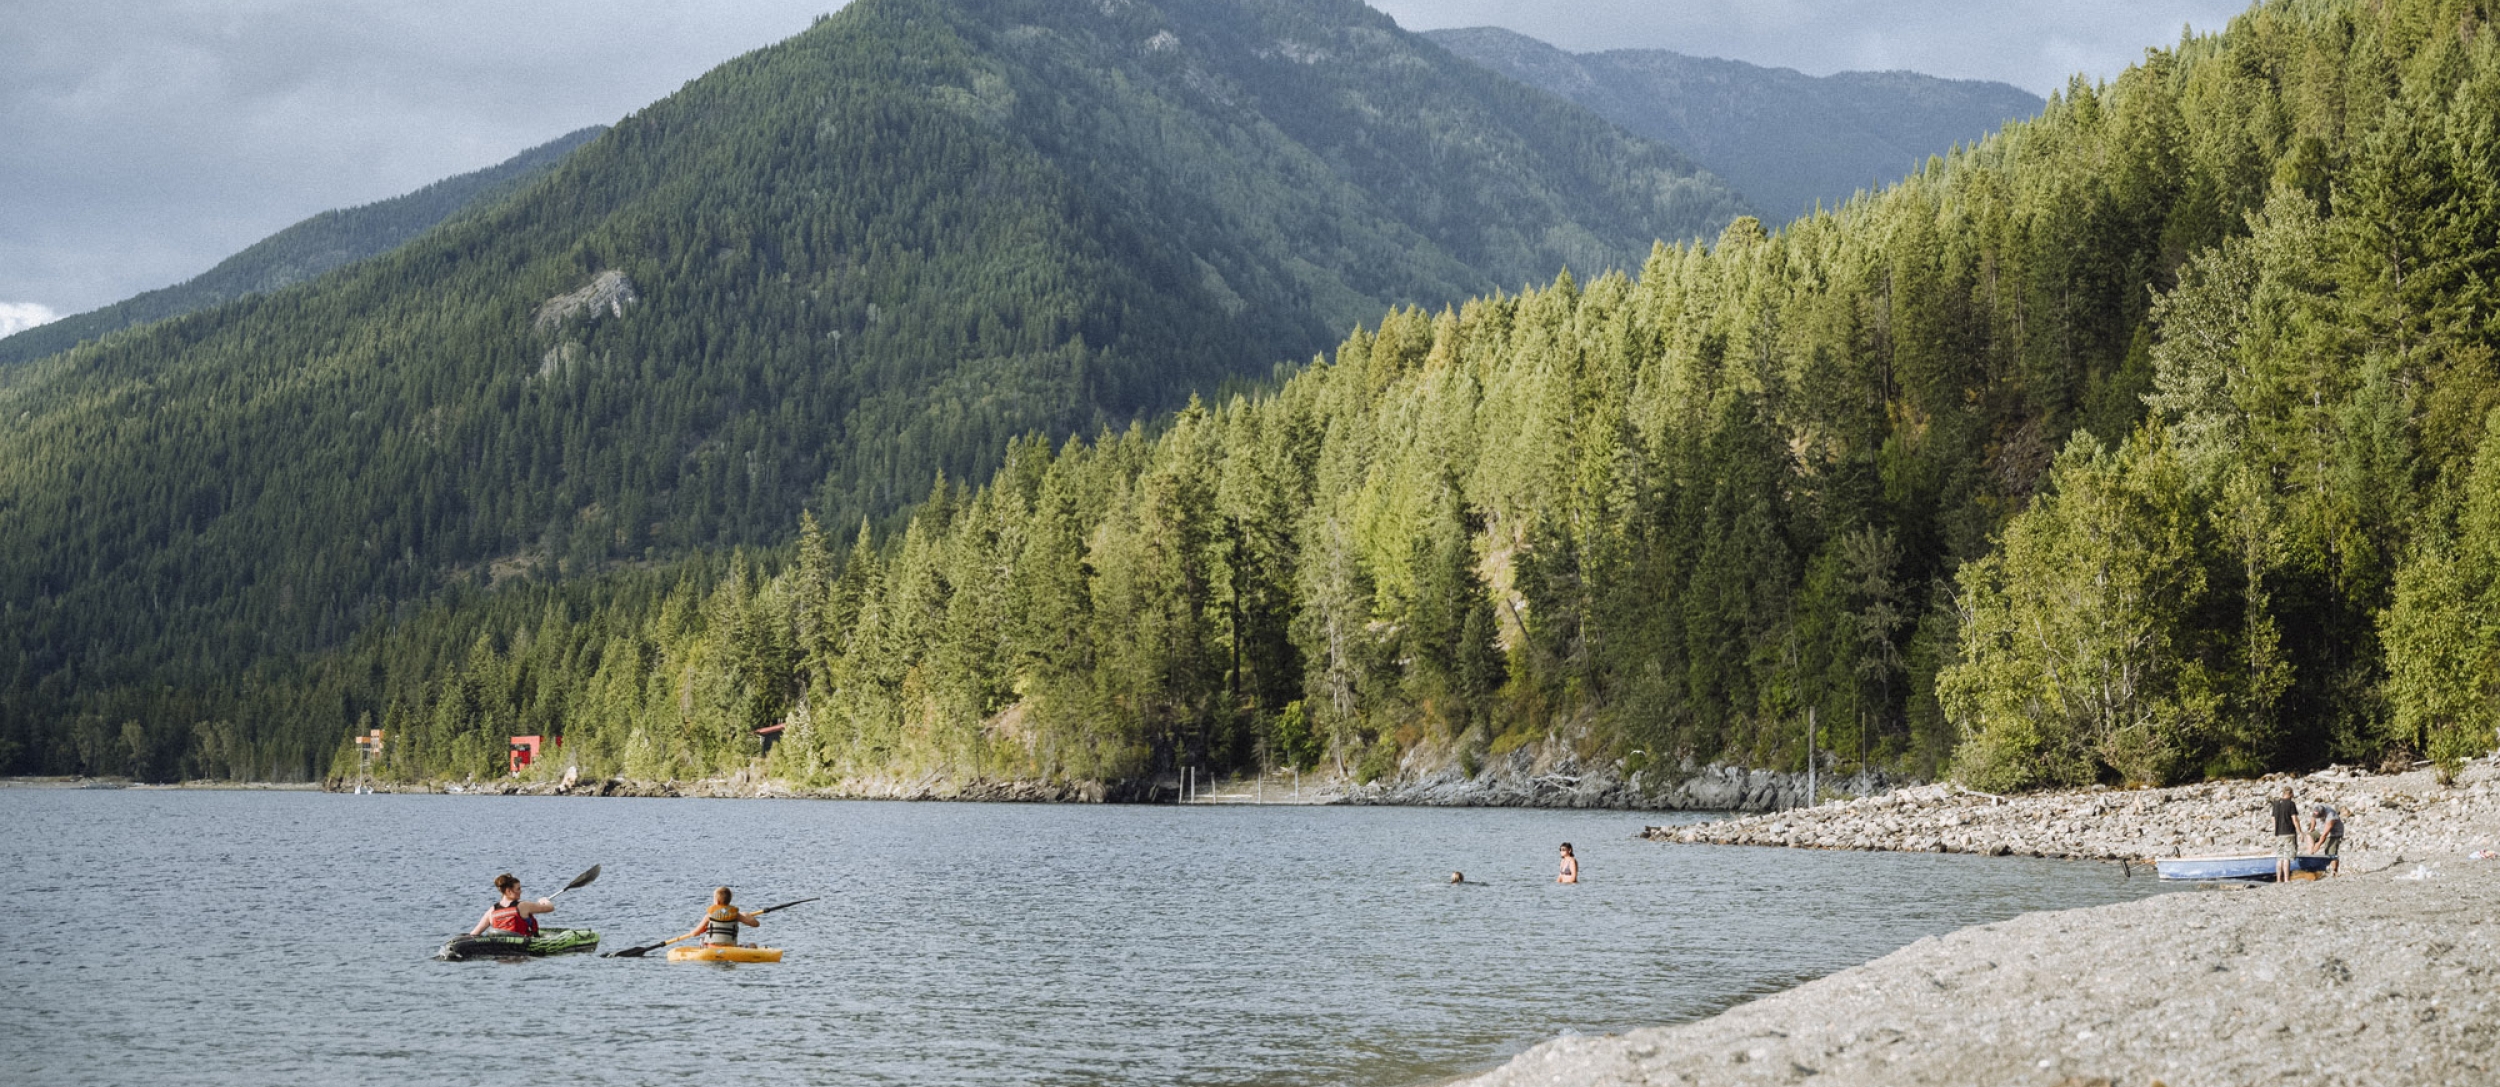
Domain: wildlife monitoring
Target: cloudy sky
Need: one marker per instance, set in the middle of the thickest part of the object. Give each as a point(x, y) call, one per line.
point(148, 139)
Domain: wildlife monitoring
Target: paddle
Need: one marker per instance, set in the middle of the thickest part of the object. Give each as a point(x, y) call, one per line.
point(638, 952)
point(582, 880)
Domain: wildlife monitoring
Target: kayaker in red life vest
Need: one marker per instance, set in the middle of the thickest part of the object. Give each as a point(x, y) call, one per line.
point(720, 923)
point(510, 913)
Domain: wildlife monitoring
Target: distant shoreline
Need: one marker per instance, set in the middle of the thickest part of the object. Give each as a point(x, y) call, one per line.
point(203, 785)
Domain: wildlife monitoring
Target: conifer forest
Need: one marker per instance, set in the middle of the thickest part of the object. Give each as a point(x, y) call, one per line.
point(2152, 439)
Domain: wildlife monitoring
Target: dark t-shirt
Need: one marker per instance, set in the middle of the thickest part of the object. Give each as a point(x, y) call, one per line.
point(2286, 817)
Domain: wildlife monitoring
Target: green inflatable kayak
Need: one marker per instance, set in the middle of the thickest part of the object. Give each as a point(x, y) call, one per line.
point(506, 945)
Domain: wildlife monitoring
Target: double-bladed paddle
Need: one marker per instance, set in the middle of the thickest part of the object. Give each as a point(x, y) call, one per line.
point(582, 880)
point(638, 952)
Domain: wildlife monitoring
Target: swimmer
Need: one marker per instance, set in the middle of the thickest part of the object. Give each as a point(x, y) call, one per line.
point(1570, 866)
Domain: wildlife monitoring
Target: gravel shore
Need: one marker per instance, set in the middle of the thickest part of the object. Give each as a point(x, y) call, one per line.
point(2387, 817)
point(2387, 975)
point(2364, 980)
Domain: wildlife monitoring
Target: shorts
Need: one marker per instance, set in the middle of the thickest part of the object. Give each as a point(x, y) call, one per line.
point(2331, 847)
point(2287, 845)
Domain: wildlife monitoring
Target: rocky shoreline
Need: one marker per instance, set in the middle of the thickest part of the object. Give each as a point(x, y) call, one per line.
point(1521, 780)
point(2387, 817)
point(2365, 980)
point(2382, 976)
point(1562, 781)
point(752, 787)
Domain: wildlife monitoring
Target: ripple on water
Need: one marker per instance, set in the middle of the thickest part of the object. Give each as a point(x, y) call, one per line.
point(255, 937)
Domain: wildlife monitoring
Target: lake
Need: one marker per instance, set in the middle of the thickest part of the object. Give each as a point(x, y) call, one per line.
point(284, 937)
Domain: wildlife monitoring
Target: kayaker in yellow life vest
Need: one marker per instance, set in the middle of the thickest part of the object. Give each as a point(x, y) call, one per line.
point(720, 923)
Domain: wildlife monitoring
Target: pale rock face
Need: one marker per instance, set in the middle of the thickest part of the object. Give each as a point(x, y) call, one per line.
point(607, 294)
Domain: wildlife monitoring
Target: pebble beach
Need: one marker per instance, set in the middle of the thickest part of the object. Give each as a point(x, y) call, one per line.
point(2387, 974)
point(2387, 817)
point(2363, 980)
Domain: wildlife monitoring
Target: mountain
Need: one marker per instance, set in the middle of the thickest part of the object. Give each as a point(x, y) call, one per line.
point(303, 251)
point(820, 276)
point(1788, 141)
point(2156, 438)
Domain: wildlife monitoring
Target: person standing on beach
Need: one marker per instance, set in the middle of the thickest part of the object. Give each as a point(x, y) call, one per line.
point(1570, 866)
point(2286, 834)
point(2326, 829)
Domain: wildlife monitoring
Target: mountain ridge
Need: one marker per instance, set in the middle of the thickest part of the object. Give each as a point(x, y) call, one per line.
point(304, 250)
point(1844, 493)
point(867, 256)
point(1789, 141)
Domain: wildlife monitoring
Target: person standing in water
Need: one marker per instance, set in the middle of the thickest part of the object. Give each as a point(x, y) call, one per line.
point(510, 913)
point(1570, 866)
point(719, 927)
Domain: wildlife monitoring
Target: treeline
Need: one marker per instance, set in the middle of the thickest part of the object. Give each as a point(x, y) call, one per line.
point(2297, 557)
point(1855, 471)
point(871, 254)
point(1891, 470)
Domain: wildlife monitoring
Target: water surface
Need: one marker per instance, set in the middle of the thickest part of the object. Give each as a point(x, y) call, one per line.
point(248, 938)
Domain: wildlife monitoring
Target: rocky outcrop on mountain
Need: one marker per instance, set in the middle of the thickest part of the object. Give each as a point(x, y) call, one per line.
point(607, 294)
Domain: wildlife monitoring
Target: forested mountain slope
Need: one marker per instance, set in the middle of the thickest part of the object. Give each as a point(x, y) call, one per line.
point(816, 277)
point(300, 252)
point(2149, 439)
point(1788, 141)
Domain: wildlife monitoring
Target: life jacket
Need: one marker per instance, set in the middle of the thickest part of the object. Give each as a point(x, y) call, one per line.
point(720, 925)
point(507, 917)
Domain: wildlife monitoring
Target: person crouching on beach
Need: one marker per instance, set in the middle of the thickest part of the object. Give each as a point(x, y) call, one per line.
point(2286, 835)
point(1570, 866)
point(2326, 829)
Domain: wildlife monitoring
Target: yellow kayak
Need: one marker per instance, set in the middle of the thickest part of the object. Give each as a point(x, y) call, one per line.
point(712, 953)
